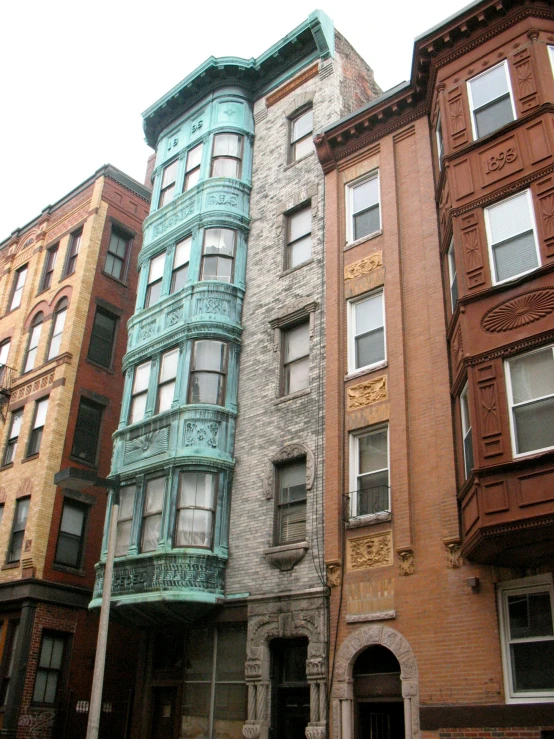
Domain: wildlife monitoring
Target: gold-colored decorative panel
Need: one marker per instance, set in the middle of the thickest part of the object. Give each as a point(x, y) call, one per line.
point(370, 596)
point(367, 393)
point(366, 552)
point(364, 266)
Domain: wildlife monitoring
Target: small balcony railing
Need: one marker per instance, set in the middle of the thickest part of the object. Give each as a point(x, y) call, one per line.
point(6, 376)
point(367, 502)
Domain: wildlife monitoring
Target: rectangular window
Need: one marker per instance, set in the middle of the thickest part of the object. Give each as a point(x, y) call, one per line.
point(466, 431)
point(299, 237)
point(511, 236)
point(73, 252)
point(71, 536)
point(166, 380)
point(168, 183)
point(49, 266)
point(218, 254)
point(125, 519)
point(18, 529)
point(530, 381)
point(18, 285)
point(32, 347)
point(49, 670)
point(526, 609)
point(87, 431)
point(102, 337)
point(41, 408)
point(227, 155)
point(490, 100)
point(440, 144)
point(192, 167)
point(367, 332)
point(301, 128)
point(370, 473)
point(57, 329)
point(195, 509)
point(152, 514)
point(155, 276)
point(116, 258)
point(296, 358)
point(181, 259)
point(453, 276)
point(140, 392)
point(8, 659)
point(363, 206)
point(208, 372)
point(291, 502)
point(4, 352)
point(551, 52)
point(13, 436)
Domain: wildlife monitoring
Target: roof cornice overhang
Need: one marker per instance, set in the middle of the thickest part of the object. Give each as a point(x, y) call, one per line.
point(440, 45)
point(313, 39)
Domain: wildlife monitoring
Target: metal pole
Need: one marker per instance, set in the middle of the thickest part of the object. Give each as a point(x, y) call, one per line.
point(95, 707)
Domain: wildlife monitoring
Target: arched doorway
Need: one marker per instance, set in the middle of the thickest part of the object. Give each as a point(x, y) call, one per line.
point(378, 703)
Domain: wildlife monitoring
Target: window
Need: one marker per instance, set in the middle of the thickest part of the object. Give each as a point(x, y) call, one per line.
point(49, 265)
point(530, 380)
point(299, 237)
point(490, 100)
point(363, 204)
point(296, 358)
point(168, 183)
point(4, 353)
point(526, 609)
point(87, 431)
point(155, 275)
point(367, 332)
point(13, 436)
point(2, 505)
point(166, 380)
point(466, 431)
point(370, 473)
point(49, 669)
point(195, 509)
point(291, 502)
point(41, 408)
point(192, 167)
point(208, 371)
point(218, 256)
point(102, 337)
point(152, 515)
point(140, 392)
point(18, 285)
point(453, 276)
point(8, 659)
point(116, 258)
point(301, 128)
point(34, 338)
point(511, 236)
point(551, 52)
point(18, 529)
point(181, 259)
point(227, 155)
point(73, 252)
point(57, 328)
point(125, 519)
point(440, 143)
point(71, 536)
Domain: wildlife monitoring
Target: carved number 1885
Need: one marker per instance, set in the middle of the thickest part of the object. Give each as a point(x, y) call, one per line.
point(496, 162)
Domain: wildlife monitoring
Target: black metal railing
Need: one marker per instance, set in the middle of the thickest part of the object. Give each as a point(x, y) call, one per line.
point(6, 376)
point(72, 718)
point(366, 502)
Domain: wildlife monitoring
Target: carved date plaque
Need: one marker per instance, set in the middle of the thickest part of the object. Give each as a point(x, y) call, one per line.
point(499, 161)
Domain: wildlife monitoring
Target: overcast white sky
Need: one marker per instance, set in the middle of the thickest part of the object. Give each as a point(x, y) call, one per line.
point(75, 77)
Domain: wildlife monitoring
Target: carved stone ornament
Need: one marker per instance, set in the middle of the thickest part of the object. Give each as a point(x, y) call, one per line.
point(212, 306)
point(173, 220)
point(222, 199)
point(406, 562)
point(366, 393)
point(148, 445)
point(364, 266)
point(286, 454)
point(371, 551)
point(201, 434)
point(519, 311)
point(316, 732)
point(251, 731)
point(334, 574)
point(454, 557)
point(285, 557)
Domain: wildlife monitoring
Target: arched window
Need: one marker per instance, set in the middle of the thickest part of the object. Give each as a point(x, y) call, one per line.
point(34, 338)
point(57, 328)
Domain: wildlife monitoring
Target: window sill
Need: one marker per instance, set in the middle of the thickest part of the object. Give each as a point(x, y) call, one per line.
point(363, 239)
point(297, 161)
point(30, 458)
point(11, 565)
point(366, 370)
point(370, 520)
point(288, 271)
point(6, 466)
point(292, 396)
point(93, 465)
point(109, 370)
point(285, 556)
point(70, 570)
point(115, 279)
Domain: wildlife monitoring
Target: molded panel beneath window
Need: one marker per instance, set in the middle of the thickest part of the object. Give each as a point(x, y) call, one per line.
point(495, 497)
point(470, 512)
point(535, 487)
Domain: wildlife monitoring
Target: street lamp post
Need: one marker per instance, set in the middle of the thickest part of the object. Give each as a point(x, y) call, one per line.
point(78, 479)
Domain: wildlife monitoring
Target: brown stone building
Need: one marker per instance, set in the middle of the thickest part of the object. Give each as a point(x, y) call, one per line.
point(440, 388)
point(68, 287)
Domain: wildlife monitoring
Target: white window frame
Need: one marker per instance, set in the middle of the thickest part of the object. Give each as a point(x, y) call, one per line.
point(354, 473)
point(551, 54)
point(466, 428)
point(490, 243)
point(350, 187)
point(534, 584)
point(352, 336)
point(503, 63)
point(510, 394)
point(452, 274)
point(439, 139)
